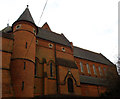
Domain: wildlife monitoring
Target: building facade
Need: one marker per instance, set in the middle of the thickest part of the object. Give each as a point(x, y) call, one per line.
point(37, 61)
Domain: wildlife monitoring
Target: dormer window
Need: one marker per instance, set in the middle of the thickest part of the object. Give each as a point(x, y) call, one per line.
point(50, 45)
point(18, 26)
point(63, 49)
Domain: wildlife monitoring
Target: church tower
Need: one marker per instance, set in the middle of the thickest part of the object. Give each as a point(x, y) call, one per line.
point(23, 57)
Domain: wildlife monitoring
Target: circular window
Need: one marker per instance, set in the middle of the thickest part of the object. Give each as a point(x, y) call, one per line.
point(18, 26)
point(50, 45)
point(63, 49)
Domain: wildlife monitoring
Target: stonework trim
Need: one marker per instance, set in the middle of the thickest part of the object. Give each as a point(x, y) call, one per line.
point(5, 69)
point(24, 30)
point(71, 77)
point(6, 51)
point(23, 59)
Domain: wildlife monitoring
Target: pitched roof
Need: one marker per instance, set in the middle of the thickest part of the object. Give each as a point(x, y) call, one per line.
point(7, 29)
point(92, 56)
point(46, 26)
point(26, 16)
point(53, 37)
point(92, 80)
point(6, 33)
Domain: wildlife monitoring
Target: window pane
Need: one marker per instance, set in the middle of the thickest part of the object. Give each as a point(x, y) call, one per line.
point(70, 85)
point(51, 74)
point(24, 65)
point(81, 66)
point(100, 71)
point(105, 71)
point(94, 69)
point(88, 68)
point(22, 85)
point(35, 67)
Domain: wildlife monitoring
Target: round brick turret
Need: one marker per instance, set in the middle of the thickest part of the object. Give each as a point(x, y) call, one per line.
point(23, 57)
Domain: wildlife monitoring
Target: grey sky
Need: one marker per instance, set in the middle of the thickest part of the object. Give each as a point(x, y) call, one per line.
point(89, 24)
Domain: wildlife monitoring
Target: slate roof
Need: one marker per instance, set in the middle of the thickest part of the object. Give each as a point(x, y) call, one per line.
point(7, 29)
point(53, 37)
point(66, 63)
point(91, 80)
point(6, 33)
point(26, 16)
point(92, 56)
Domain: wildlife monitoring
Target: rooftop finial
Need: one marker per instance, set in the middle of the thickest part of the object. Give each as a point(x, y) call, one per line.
point(8, 24)
point(27, 6)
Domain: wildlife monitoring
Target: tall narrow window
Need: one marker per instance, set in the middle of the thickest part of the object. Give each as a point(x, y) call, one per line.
point(81, 67)
point(100, 70)
point(70, 85)
point(35, 67)
point(105, 71)
point(51, 74)
point(88, 68)
point(24, 65)
point(22, 85)
point(26, 45)
point(94, 69)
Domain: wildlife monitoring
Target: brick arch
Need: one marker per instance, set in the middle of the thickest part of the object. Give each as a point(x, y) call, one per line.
point(50, 62)
point(70, 75)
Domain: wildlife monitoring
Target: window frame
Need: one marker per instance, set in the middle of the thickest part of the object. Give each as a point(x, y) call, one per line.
point(70, 85)
point(22, 85)
point(24, 65)
point(100, 71)
point(88, 68)
point(94, 69)
point(18, 26)
point(81, 67)
point(51, 69)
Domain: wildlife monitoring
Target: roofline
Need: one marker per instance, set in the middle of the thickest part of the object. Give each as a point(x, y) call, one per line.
point(53, 42)
point(87, 50)
point(25, 21)
point(108, 59)
point(92, 61)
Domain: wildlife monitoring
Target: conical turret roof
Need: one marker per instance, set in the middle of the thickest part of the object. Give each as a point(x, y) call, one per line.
point(26, 16)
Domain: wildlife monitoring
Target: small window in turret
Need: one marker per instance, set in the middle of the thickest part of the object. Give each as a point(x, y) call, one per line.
point(26, 45)
point(34, 31)
point(18, 26)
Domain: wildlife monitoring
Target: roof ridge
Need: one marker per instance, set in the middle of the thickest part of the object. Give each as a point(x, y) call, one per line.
point(87, 50)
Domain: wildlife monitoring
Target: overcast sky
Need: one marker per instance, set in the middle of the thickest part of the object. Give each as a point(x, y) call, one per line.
point(89, 24)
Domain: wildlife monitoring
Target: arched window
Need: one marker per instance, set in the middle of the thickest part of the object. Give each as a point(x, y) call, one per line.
point(51, 70)
point(70, 85)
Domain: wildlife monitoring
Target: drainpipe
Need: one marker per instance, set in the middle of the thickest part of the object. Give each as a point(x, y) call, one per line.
point(98, 91)
point(56, 71)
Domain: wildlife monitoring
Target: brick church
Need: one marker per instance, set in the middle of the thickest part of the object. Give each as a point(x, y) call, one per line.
point(37, 61)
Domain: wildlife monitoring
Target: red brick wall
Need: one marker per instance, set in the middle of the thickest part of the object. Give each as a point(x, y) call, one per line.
point(92, 90)
point(84, 62)
point(7, 46)
point(63, 85)
point(20, 55)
